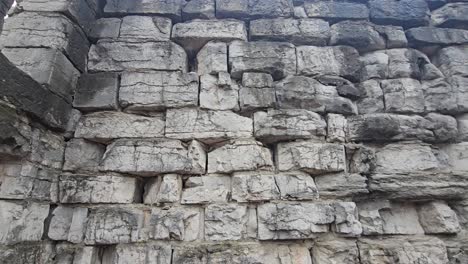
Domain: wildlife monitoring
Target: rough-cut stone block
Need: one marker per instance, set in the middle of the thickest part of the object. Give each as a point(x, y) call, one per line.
point(457, 156)
point(171, 9)
point(337, 128)
point(340, 185)
point(76, 188)
point(96, 92)
point(393, 158)
point(295, 92)
point(390, 127)
point(451, 15)
point(104, 126)
point(277, 59)
point(157, 90)
point(46, 30)
point(406, 13)
point(336, 11)
point(72, 253)
point(105, 28)
point(430, 36)
point(22, 222)
point(28, 181)
point(293, 220)
point(206, 125)
point(245, 9)
point(141, 28)
point(48, 67)
point(311, 157)
point(120, 56)
point(385, 218)
point(335, 251)
point(203, 9)
point(138, 254)
point(296, 31)
point(206, 189)
point(254, 187)
point(153, 157)
point(346, 219)
point(403, 96)
point(47, 149)
point(16, 133)
point(195, 34)
point(318, 61)
point(226, 222)
point(81, 154)
point(372, 97)
point(256, 91)
point(288, 124)
point(296, 186)
point(36, 253)
point(250, 155)
point(67, 224)
point(212, 58)
point(463, 127)
point(219, 92)
point(438, 218)
point(452, 61)
point(176, 223)
point(442, 96)
point(165, 189)
point(405, 250)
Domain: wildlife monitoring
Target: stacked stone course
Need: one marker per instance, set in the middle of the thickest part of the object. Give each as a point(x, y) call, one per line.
point(234, 131)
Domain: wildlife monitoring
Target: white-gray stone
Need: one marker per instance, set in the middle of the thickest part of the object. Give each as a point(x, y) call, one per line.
point(437, 217)
point(212, 58)
point(206, 189)
point(164, 189)
point(219, 92)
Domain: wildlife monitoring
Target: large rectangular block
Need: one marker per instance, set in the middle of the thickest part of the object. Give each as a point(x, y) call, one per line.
point(458, 156)
point(406, 158)
point(228, 222)
point(407, 13)
point(336, 11)
point(206, 189)
point(177, 223)
point(97, 92)
point(171, 9)
point(159, 253)
point(254, 8)
point(68, 224)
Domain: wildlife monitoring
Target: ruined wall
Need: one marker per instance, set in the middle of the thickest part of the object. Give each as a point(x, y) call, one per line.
point(234, 131)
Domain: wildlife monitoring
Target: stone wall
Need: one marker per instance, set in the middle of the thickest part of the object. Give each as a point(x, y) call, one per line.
point(234, 131)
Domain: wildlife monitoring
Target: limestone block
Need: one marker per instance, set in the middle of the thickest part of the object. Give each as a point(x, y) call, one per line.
point(311, 157)
point(372, 97)
point(226, 222)
point(119, 56)
point(139, 254)
point(203, 9)
point(48, 67)
point(70, 253)
point(403, 96)
point(335, 251)
point(296, 186)
point(256, 91)
point(438, 218)
point(144, 91)
point(176, 223)
point(153, 157)
point(206, 189)
point(193, 35)
point(335, 11)
point(406, 13)
point(46, 30)
point(254, 187)
point(346, 219)
point(22, 222)
point(451, 15)
point(16, 133)
point(78, 188)
point(219, 92)
point(96, 92)
point(68, 223)
point(36, 253)
point(452, 60)
point(245, 9)
point(463, 127)
point(165, 189)
point(337, 128)
point(105, 126)
point(441, 96)
point(250, 155)
point(393, 158)
point(307, 93)
point(318, 61)
point(288, 124)
point(338, 185)
point(106, 27)
point(47, 148)
point(171, 9)
point(81, 154)
point(457, 156)
point(277, 59)
point(296, 31)
point(141, 28)
point(429, 36)
point(212, 58)
point(206, 125)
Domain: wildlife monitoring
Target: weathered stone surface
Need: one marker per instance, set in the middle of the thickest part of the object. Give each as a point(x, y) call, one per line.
point(404, 250)
point(212, 58)
point(457, 156)
point(120, 56)
point(337, 128)
point(22, 222)
point(165, 189)
point(441, 96)
point(139, 254)
point(372, 97)
point(382, 217)
point(393, 158)
point(403, 96)
point(254, 8)
point(277, 59)
point(157, 90)
point(16, 133)
point(451, 15)
point(318, 61)
point(48, 67)
point(36, 253)
point(288, 124)
point(107, 27)
point(47, 148)
point(219, 92)
point(296, 31)
point(438, 218)
point(171, 9)
point(250, 155)
point(81, 154)
point(429, 36)
point(390, 127)
point(311, 157)
point(69, 253)
point(204, 9)
point(452, 60)
point(336, 11)
point(295, 92)
point(28, 181)
point(335, 251)
point(96, 92)
point(176, 223)
point(206, 189)
point(46, 30)
point(346, 219)
point(67, 224)
point(226, 222)
point(340, 185)
point(206, 126)
point(195, 34)
point(256, 91)
point(463, 127)
point(406, 13)
point(104, 126)
point(153, 157)
point(77, 188)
